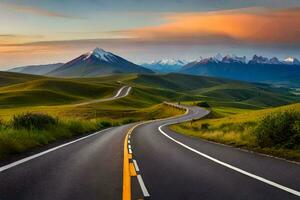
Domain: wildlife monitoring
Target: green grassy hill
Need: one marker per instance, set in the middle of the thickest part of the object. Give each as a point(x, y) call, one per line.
point(58, 96)
point(9, 78)
point(46, 91)
point(217, 91)
point(237, 127)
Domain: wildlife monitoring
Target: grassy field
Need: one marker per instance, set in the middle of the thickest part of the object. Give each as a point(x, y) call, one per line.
point(59, 98)
point(237, 127)
point(14, 140)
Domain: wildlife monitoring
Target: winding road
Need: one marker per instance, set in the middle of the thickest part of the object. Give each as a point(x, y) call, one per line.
point(156, 162)
point(122, 92)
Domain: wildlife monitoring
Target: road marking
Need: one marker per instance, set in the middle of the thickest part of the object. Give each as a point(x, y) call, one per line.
point(126, 195)
point(132, 170)
point(128, 141)
point(128, 155)
point(129, 146)
point(119, 91)
point(143, 187)
point(128, 90)
point(136, 165)
point(5, 167)
point(289, 190)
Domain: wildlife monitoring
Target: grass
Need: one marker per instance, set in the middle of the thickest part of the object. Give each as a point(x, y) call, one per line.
point(17, 140)
point(27, 131)
point(240, 128)
point(58, 97)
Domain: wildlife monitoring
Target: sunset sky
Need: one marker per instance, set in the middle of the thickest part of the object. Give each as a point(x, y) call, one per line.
point(49, 31)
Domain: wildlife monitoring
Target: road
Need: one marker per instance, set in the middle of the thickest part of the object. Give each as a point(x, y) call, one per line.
point(174, 166)
point(169, 167)
point(122, 92)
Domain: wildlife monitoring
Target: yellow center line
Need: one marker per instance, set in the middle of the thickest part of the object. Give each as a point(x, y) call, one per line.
point(126, 173)
point(128, 168)
point(132, 170)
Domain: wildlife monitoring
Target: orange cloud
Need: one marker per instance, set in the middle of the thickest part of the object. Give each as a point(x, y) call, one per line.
point(249, 25)
point(34, 10)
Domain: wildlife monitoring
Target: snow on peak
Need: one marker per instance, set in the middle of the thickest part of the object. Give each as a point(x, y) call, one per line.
point(234, 59)
point(100, 54)
point(218, 57)
point(291, 60)
point(168, 61)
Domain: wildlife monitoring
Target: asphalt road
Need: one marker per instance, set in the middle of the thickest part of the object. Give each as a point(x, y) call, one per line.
point(88, 169)
point(122, 92)
point(174, 166)
point(92, 168)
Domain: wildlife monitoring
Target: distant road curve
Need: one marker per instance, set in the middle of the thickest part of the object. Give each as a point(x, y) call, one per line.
point(122, 92)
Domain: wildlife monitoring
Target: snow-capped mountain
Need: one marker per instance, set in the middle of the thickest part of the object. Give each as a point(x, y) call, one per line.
point(275, 61)
point(258, 69)
point(165, 65)
point(291, 61)
point(98, 62)
point(259, 60)
point(234, 59)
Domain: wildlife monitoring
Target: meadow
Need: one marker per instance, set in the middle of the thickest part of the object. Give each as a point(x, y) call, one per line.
point(60, 98)
point(267, 130)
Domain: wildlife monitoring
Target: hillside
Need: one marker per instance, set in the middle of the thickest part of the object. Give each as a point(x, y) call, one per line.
point(8, 78)
point(36, 69)
point(237, 128)
point(59, 96)
point(218, 91)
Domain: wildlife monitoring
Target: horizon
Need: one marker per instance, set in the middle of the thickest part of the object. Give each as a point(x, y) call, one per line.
point(46, 32)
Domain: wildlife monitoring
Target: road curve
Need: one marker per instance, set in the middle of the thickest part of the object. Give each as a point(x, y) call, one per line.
point(86, 168)
point(174, 166)
point(122, 92)
point(92, 168)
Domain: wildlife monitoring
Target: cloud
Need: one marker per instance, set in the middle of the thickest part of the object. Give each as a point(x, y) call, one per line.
point(252, 25)
point(35, 10)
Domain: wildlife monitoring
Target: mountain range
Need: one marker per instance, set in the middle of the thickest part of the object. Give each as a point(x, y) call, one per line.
point(258, 69)
point(165, 65)
point(100, 62)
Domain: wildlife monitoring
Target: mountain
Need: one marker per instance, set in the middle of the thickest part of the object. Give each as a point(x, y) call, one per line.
point(291, 61)
point(96, 63)
point(165, 65)
point(36, 69)
point(258, 69)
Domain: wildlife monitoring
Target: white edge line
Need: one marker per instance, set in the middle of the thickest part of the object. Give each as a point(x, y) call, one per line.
point(289, 190)
point(136, 165)
point(128, 90)
point(13, 164)
point(143, 187)
point(119, 91)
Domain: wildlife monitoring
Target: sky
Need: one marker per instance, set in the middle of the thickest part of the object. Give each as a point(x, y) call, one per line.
point(50, 31)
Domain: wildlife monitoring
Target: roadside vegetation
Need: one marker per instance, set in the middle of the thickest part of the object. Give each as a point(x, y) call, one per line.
point(273, 131)
point(27, 131)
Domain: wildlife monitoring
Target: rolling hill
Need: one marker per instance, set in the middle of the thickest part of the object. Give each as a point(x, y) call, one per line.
point(36, 69)
point(60, 95)
point(97, 63)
